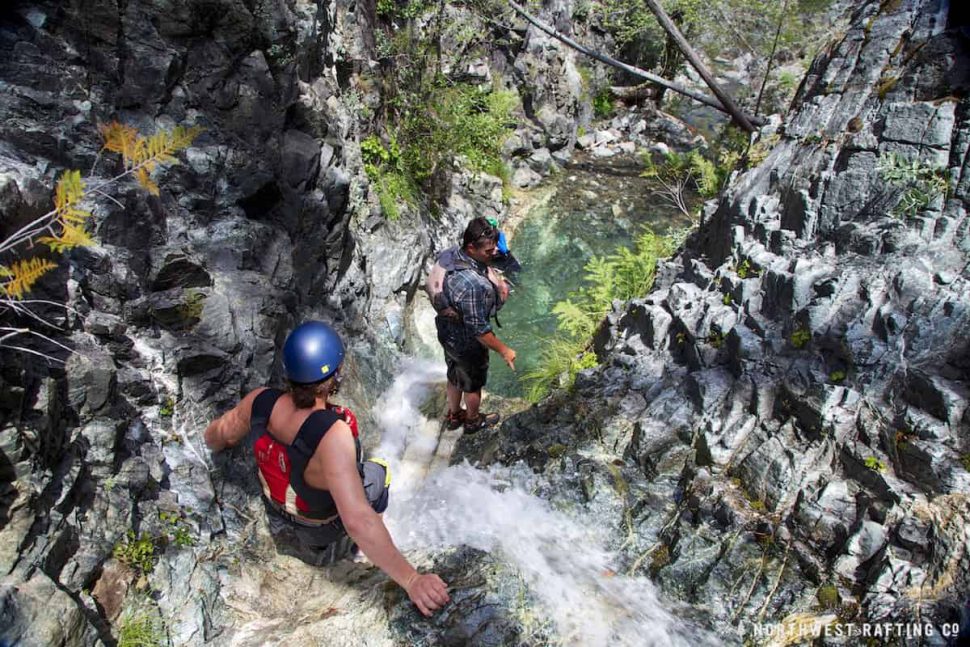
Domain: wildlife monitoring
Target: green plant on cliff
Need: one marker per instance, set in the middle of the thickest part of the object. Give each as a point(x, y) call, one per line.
point(623, 275)
point(874, 464)
point(177, 531)
point(136, 551)
point(800, 337)
point(917, 184)
point(65, 227)
point(434, 128)
point(140, 628)
point(603, 104)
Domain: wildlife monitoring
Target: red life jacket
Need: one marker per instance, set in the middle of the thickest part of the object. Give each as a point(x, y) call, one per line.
point(281, 466)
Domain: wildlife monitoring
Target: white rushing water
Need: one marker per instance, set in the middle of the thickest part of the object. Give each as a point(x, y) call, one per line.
point(561, 558)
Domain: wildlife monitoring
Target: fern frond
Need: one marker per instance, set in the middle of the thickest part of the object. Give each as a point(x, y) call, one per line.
point(5, 271)
point(119, 138)
point(160, 148)
point(559, 362)
point(182, 137)
point(573, 319)
point(23, 274)
point(74, 216)
point(69, 191)
point(146, 181)
point(140, 154)
point(71, 236)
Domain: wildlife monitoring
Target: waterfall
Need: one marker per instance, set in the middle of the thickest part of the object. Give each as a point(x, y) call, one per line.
point(561, 558)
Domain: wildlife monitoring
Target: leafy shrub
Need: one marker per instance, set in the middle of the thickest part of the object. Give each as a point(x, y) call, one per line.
point(678, 174)
point(918, 184)
point(461, 121)
point(138, 552)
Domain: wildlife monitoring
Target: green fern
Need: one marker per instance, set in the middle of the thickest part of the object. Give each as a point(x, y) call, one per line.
point(573, 319)
point(705, 175)
point(626, 274)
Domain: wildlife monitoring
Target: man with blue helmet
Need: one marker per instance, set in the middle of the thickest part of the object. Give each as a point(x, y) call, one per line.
point(316, 487)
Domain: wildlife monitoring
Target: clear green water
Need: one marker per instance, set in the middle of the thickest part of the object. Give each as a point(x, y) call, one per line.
point(594, 207)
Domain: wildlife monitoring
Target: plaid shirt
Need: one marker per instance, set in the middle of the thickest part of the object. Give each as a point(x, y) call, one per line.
point(473, 295)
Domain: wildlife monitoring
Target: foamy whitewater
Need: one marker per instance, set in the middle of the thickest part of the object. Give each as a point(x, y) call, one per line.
point(560, 558)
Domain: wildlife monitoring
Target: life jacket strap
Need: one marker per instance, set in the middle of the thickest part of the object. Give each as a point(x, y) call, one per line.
point(296, 518)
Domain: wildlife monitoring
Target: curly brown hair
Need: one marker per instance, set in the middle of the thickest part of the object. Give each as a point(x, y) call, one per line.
point(305, 395)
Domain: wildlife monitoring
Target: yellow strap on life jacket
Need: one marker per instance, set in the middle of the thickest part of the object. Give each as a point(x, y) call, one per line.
point(387, 470)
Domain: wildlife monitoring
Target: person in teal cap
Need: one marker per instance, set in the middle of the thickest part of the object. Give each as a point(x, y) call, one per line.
point(503, 261)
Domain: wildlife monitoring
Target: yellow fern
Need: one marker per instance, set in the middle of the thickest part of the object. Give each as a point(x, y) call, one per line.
point(71, 236)
point(75, 217)
point(141, 151)
point(119, 138)
point(145, 180)
point(69, 193)
point(23, 274)
point(70, 190)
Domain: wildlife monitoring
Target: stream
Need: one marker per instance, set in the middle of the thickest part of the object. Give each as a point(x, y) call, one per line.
point(591, 208)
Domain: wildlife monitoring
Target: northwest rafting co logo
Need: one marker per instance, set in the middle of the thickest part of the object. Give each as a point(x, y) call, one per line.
point(826, 626)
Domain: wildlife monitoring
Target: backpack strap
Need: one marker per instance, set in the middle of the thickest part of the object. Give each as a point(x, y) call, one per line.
point(259, 417)
point(311, 432)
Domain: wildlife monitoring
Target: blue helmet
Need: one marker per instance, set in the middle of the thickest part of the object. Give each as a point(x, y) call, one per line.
point(312, 352)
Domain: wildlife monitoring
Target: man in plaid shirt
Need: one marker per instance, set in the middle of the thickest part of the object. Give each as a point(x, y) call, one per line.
point(472, 295)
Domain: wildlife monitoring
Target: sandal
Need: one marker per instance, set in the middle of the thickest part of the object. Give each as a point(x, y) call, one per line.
point(482, 421)
point(454, 420)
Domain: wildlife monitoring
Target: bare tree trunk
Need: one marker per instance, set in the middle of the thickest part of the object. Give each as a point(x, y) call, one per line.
point(635, 71)
point(642, 92)
point(730, 107)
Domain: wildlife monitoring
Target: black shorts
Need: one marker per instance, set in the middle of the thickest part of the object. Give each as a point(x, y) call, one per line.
point(323, 545)
point(468, 369)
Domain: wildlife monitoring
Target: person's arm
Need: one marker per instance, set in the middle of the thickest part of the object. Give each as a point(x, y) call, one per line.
point(491, 341)
point(337, 455)
point(232, 426)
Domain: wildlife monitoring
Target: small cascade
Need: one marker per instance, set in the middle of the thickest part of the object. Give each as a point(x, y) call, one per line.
point(561, 558)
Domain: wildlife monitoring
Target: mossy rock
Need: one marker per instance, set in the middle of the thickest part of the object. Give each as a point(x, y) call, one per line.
point(828, 597)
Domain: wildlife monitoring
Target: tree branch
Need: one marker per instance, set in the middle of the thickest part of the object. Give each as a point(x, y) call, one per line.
point(730, 107)
point(602, 58)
